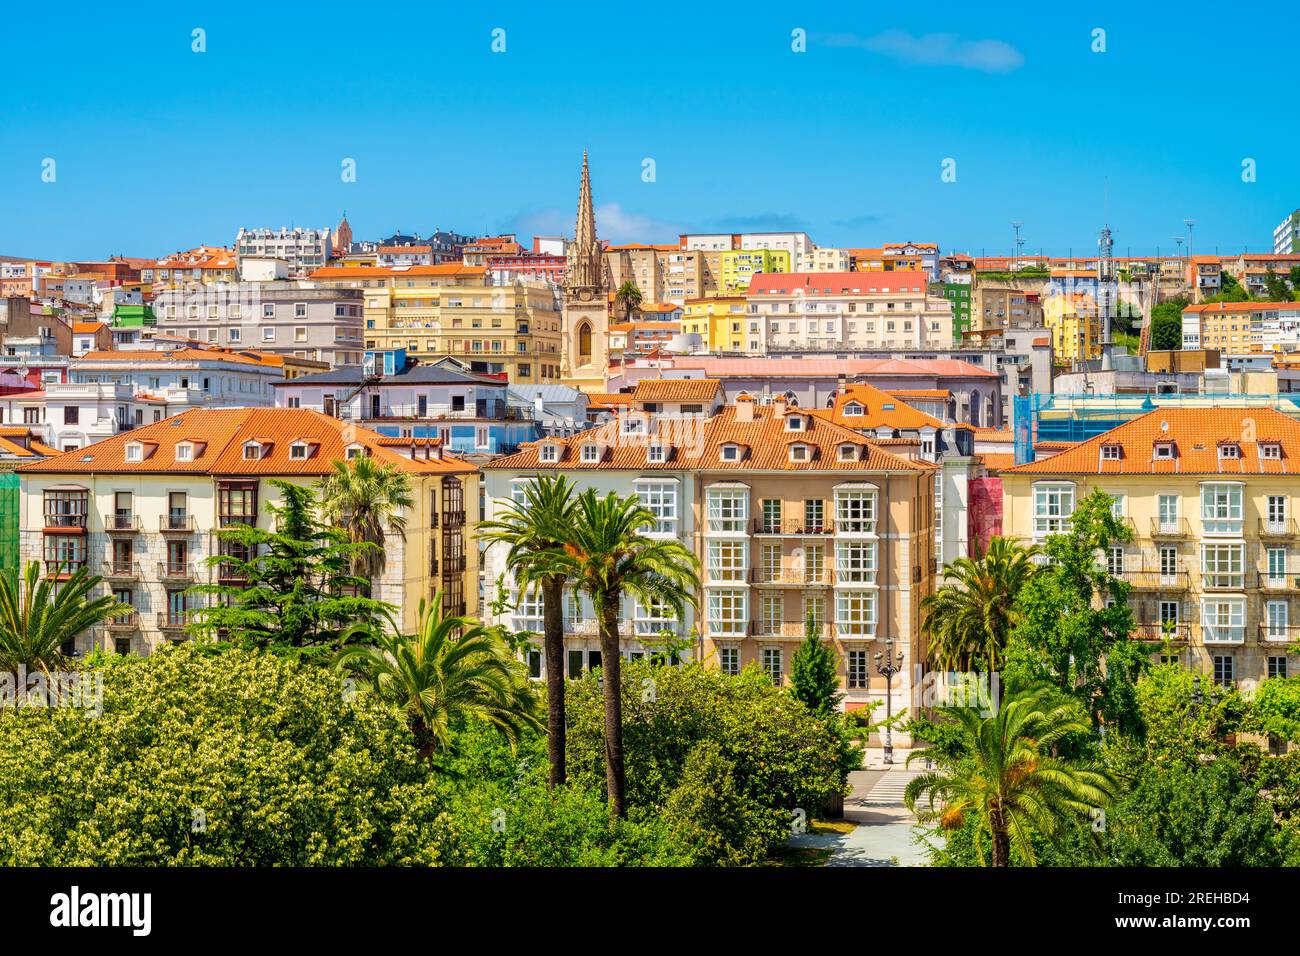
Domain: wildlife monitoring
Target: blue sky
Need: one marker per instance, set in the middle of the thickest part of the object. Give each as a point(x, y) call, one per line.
point(159, 148)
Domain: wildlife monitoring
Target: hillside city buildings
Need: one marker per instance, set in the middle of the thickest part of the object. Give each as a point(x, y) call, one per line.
point(823, 427)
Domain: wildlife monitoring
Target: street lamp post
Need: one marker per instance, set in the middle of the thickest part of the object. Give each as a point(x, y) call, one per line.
point(887, 665)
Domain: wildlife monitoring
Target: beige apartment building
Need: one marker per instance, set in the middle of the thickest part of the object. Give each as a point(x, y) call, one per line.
point(432, 311)
point(143, 509)
point(844, 311)
point(663, 273)
point(1210, 495)
point(995, 306)
point(791, 516)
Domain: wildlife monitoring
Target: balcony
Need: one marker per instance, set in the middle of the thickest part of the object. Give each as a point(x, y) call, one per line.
point(62, 521)
point(1278, 583)
point(174, 572)
point(1278, 530)
point(790, 577)
point(1156, 580)
point(127, 622)
point(176, 523)
point(122, 523)
point(121, 570)
point(792, 528)
point(1170, 528)
point(787, 629)
point(1177, 633)
point(174, 620)
point(1279, 633)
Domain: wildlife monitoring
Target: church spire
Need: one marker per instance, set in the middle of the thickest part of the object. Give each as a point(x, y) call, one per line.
point(586, 266)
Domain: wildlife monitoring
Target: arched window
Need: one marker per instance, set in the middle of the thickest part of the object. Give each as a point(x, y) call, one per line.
point(584, 341)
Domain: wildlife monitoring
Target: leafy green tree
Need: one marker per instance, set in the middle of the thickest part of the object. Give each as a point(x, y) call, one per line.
point(812, 672)
point(1230, 290)
point(1167, 324)
point(970, 617)
point(782, 757)
point(1075, 624)
point(534, 530)
point(611, 556)
point(233, 759)
point(709, 814)
point(295, 589)
point(1275, 709)
point(1005, 778)
point(628, 298)
point(39, 616)
point(451, 669)
point(367, 500)
point(1275, 287)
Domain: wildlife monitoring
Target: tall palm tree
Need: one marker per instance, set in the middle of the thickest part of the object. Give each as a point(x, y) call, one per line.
point(1004, 775)
point(452, 668)
point(612, 556)
point(535, 530)
point(629, 297)
point(971, 615)
point(366, 499)
point(38, 618)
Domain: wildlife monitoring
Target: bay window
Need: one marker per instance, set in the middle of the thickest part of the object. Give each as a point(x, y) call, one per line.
point(727, 611)
point(727, 560)
point(1223, 565)
point(855, 613)
point(660, 497)
point(1221, 508)
point(855, 511)
point(1223, 620)
point(855, 562)
point(727, 510)
point(1053, 505)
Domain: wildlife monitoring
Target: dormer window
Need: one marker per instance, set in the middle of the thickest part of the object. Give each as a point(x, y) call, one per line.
point(634, 425)
point(590, 454)
point(354, 451)
point(298, 450)
point(548, 453)
point(1229, 451)
point(134, 451)
point(848, 452)
point(253, 451)
point(800, 452)
point(1111, 452)
point(185, 451)
point(1270, 449)
point(730, 453)
point(656, 454)
point(1164, 449)
point(852, 408)
point(794, 423)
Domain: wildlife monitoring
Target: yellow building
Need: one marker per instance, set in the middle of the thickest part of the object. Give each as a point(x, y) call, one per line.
point(723, 324)
point(1075, 324)
point(1210, 495)
point(741, 265)
point(432, 311)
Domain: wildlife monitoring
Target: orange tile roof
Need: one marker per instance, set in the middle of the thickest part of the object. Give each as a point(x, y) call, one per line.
point(836, 283)
point(1243, 307)
point(696, 445)
point(367, 272)
point(87, 328)
point(676, 389)
point(184, 354)
point(879, 409)
point(920, 392)
point(1196, 434)
point(997, 462)
point(993, 434)
point(223, 432)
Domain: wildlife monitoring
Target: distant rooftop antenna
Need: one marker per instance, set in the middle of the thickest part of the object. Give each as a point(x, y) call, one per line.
point(1020, 243)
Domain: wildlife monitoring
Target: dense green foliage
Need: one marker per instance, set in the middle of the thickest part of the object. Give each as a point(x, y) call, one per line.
point(1167, 324)
point(293, 587)
point(779, 756)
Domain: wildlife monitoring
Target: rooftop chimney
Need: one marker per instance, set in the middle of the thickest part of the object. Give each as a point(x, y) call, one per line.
point(744, 409)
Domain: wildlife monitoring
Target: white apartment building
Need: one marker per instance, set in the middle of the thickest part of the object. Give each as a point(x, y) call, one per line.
point(303, 249)
point(824, 259)
point(847, 311)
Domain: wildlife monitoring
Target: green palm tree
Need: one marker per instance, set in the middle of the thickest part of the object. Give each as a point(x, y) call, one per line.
point(366, 499)
point(38, 618)
point(612, 556)
point(535, 530)
point(452, 668)
point(1004, 775)
point(970, 617)
point(629, 297)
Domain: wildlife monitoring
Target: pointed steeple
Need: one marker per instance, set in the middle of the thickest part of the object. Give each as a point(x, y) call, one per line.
point(586, 265)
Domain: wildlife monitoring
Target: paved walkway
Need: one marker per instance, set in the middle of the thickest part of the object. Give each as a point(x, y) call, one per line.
point(883, 835)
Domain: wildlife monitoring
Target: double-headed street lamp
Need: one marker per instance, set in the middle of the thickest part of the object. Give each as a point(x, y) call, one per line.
point(887, 665)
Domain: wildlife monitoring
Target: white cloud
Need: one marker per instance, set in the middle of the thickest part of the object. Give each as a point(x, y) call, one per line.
point(613, 224)
point(937, 49)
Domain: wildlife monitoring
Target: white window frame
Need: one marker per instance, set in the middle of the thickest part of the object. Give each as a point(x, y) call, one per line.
point(727, 510)
point(855, 612)
point(857, 509)
point(659, 495)
point(1223, 620)
point(727, 611)
point(1221, 508)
